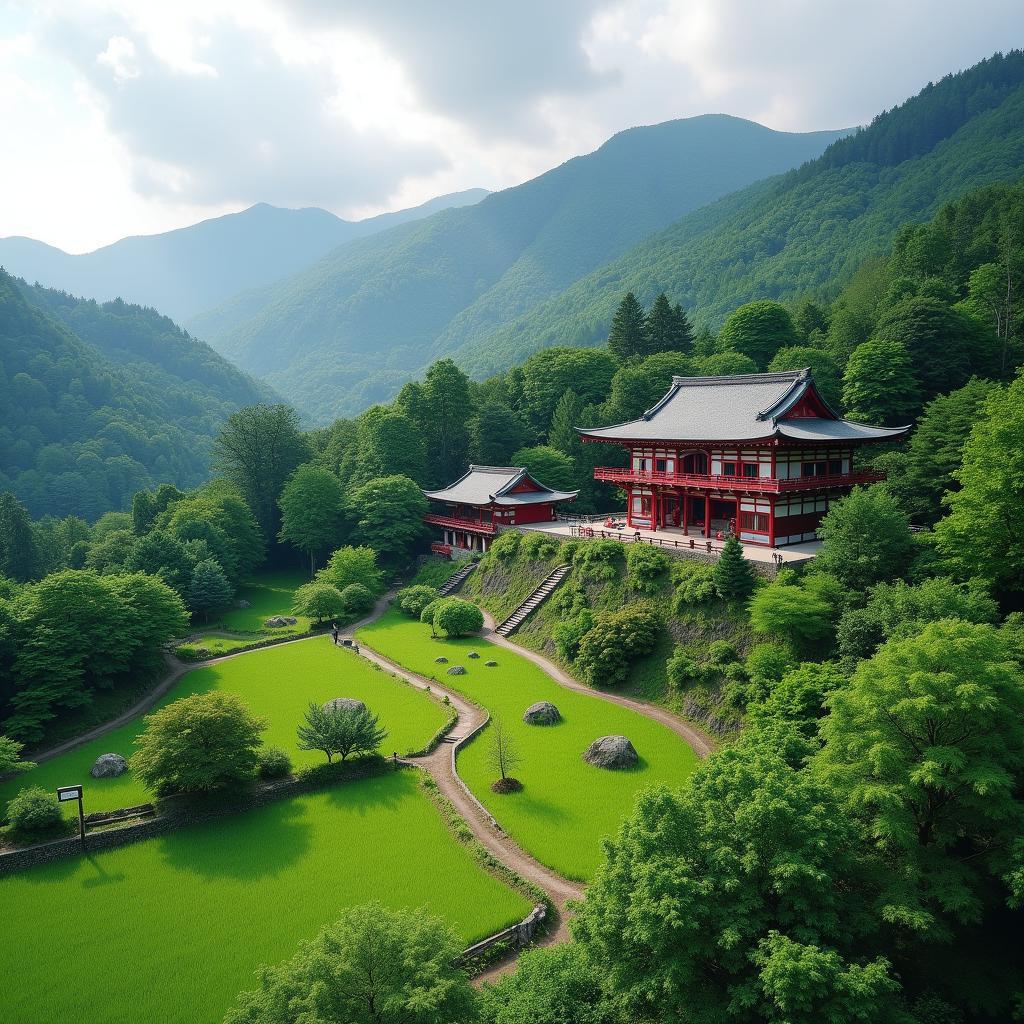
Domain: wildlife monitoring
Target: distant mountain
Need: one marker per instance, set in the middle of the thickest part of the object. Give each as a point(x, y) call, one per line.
point(188, 270)
point(98, 401)
point(804, 233)
point(350, 329)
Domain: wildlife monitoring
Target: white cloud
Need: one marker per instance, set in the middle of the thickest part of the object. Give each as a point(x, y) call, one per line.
point(139, 115)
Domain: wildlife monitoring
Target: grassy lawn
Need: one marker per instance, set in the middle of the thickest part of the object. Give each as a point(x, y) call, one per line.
point(171, 929)
point(270, 593)
point(276, 683)
point(566, 805)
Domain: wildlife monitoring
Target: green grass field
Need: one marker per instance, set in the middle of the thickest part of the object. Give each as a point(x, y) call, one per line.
point(276, 683)
point(171, 929)
point(566, 805)
point(270, 593)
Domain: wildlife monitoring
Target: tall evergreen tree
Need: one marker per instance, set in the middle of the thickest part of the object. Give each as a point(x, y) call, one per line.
point(446, 408)
point(879, 384)
point(495, 432)
point(561, 433)
point(209, 588)
point(733, 575)
point(19, 556)
point(668, 329)
point(628, 334)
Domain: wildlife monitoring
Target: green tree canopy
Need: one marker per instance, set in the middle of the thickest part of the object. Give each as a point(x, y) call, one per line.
point(318, 601)
point(495, 432)
point(353, 565)
point(733, 575)
point(551, 467)
point(208, 589)
point(19, 557)
point(455, 617)
point(372, 966)
point(198, 743)
point(826, 373)
point(312, 511)
point(388, 516)
point(340, 730)
point(879, 386)
point(758, 330)
point(388, 442)
point(548, 374)
point(667, 328)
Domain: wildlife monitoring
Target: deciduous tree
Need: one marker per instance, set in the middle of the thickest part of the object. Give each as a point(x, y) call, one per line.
point(353, 565)
point(312, 511)
point(318, 601)
point(388, 516)
point(341, 730)
point(758, 330)
point(19, 557)
point(879, 384)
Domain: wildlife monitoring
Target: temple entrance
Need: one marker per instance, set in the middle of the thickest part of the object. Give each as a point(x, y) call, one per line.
point(694, 462)
point(723, 515)
point(671, 510)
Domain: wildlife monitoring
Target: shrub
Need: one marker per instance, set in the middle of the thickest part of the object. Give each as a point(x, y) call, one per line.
point(318, 601)
point(768, 663)
point(505, 546)
point(537, 547)
point(34, 812)
point(682, 669)
point(569, 633)
point(721, 652)
point(598, 561)
point(615, 641)
point(356, 599)
point(412, 600)
point(197, 744)
point(644, 567)
point(455, 617)
point(353, 565)
point(273, 763)
point(695, 584)
point(788, 611)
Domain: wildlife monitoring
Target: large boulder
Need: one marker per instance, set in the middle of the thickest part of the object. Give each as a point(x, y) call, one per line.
point(108, 766)
point(472, 654)
point(611, 752)
point(456, 670)
point(541, 713)
point(275, 621)
point(441, 660)
point(347, 703)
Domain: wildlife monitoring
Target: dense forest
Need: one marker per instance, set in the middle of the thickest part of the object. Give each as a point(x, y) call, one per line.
point(100, 401)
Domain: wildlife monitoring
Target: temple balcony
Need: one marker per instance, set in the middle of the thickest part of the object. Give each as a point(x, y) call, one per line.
point(455, 523)
point(734, 484)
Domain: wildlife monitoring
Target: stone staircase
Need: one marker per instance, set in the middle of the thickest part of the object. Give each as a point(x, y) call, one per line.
point(454, 582)
point(535, 600)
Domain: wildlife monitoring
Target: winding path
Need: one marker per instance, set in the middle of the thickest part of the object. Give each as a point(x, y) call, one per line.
point(440, 763)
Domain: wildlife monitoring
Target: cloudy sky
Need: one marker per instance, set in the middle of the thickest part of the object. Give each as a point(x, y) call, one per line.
point(131, 116)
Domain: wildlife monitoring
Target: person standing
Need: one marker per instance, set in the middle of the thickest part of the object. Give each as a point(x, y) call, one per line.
point(334, 633)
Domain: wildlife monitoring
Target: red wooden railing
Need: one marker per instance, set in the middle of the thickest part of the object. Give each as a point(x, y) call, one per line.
point(452, 523)
point(772, 485)
point(441, 549)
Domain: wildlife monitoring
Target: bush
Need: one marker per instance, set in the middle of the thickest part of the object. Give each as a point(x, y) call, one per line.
point(615, 641)
point(537, 547)
point(695, 584)
point(569, 633)
point(34, 812)
point(273, 763)
point(412, 600)
point(768, 663)
point(682, 669)
point(455, 617)
point(598, 561)
point(341, 730)
point(644, 567)
point(353, 565)
point(721, 652)
point(505, 546)
point(356, 599)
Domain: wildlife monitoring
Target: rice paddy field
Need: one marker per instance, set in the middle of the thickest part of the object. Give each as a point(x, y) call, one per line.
point(566, 806)
point(170, 929)
point(276, 683)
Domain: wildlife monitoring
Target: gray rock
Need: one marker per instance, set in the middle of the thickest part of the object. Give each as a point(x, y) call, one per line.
point(611, 752)
point(290, 620)
point(242, 604)
point(541, 713)
point(108, 766)
point(275, 621)
point(472, 654)
point(456, 670)
point(348, 703)
point(491, 664)
point(442, 660)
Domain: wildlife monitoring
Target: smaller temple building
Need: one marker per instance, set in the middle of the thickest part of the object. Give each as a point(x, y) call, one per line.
point(470, 511)
point(760, 456)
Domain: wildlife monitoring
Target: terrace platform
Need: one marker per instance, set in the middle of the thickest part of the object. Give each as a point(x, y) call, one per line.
point(671, 539)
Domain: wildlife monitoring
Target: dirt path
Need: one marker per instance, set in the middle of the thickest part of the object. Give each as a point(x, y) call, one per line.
point(699, 740)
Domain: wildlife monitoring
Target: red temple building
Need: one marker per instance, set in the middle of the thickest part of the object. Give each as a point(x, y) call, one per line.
point(757, 455)
point(471, 510)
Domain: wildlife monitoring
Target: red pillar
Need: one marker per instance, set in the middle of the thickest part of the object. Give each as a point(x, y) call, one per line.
point(686, 512)
point(629, 506)
point(655, 494)
point(707, 515)
point(771, 522)
point(738, 516)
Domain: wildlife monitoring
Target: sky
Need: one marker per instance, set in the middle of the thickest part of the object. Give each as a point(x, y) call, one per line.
point(129, 117)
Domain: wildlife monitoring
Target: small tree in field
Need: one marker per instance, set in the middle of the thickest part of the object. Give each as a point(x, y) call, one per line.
point(412, 600)
point(502, 757)
point(10, 757)
point(343, 731)
point(318, 601)
point(197, 744)
point(209, 588)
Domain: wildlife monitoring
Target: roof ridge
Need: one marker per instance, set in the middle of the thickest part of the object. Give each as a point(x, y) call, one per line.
point(496, 469)
point(776, 377)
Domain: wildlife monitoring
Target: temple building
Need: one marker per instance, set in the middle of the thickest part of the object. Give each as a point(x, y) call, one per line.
point(470, 511)
point(758, 455)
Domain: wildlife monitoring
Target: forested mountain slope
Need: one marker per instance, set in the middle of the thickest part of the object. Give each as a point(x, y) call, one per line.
point(188, 270)
point(805, 232)
point(349, 330)
point(98, 401)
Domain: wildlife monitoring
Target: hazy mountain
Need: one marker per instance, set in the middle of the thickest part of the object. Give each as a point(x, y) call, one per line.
point(803, 233)
point(350, 329)
point(100, 400)
point(185, 271)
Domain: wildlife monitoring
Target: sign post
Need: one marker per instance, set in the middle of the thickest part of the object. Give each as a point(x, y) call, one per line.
point(67, 793)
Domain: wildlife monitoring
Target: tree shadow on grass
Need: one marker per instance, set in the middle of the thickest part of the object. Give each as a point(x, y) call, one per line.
point(379, 793)
point(244, 846)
